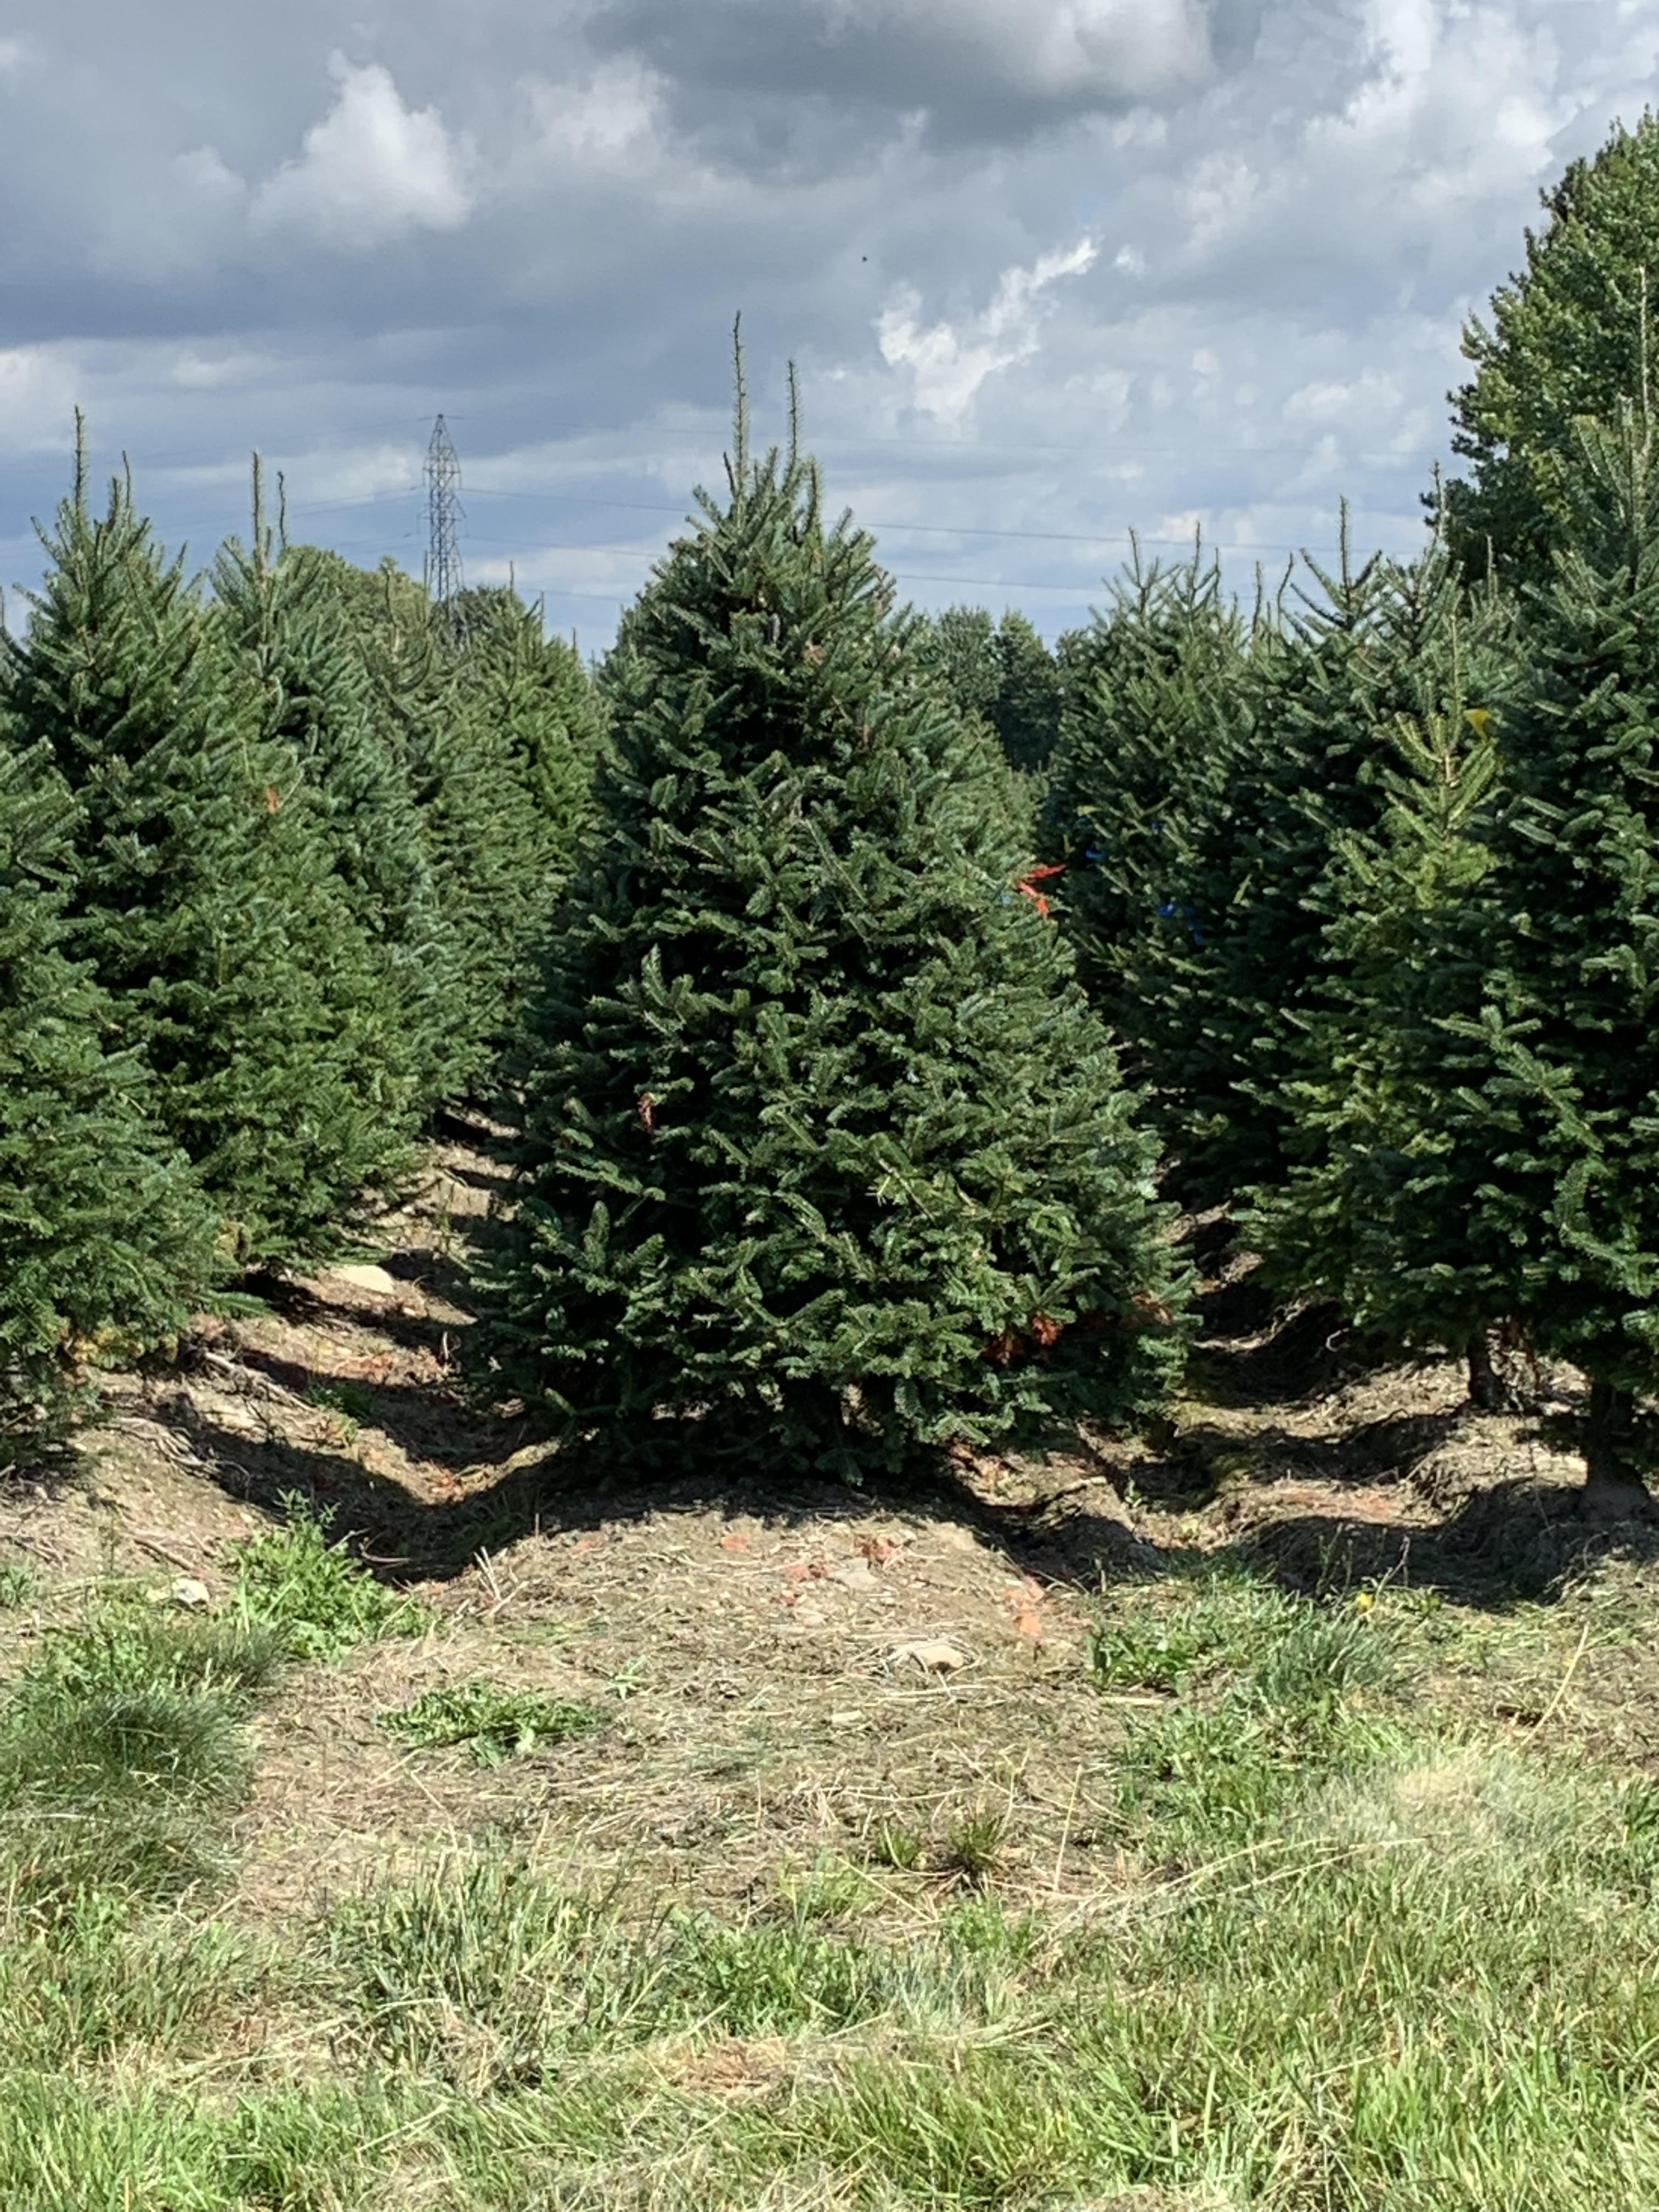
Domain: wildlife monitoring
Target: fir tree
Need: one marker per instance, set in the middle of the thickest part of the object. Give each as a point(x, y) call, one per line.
point(534, 690)
point(1003, 674)
point(201, 893)
point(1243, 753)
point(496, 865)
point(284, 617)
point(105, 1241)
point(960, 645)
point(1380, 1212)
point(1569, 338)
point(1153, 726)
point(823, 1141)
point(1025, 714)
point(1569, 1106)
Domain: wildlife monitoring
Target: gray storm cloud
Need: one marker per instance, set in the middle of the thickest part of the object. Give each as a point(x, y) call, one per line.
point(983, 68)
point(1051, 270)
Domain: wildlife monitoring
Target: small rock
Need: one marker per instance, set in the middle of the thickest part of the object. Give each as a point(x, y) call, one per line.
point(363, 1276)
point(193, 1595)
point(936, 1654)
point(854, 1575)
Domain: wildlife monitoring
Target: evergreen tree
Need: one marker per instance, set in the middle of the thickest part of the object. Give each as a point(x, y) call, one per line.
point(494, 859)
point(1568, 337)
point(1026, 712)
point(823, 1141)
point(1003, 674)
point(202, 895)
point(1153, 726)
point(1569, 1109)
point(285, 620)
point(960, 645)
point(1195, 869)
point(534, 690)
point(1381, 1211)
point(105, 1241)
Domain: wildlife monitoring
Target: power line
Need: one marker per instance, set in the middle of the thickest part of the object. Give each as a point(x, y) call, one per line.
point(1109, 538)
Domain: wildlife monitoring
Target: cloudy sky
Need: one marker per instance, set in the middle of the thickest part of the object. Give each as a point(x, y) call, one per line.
point(1052, 270)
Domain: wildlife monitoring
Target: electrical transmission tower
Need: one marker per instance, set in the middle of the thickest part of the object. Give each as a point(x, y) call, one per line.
point(444, 580)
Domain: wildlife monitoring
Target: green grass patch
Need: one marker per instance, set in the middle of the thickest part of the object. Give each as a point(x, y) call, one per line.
point(1347, 1951)
point(494, 1723)
point(306, 1589)
point(122, 1750)
point(485, 1971)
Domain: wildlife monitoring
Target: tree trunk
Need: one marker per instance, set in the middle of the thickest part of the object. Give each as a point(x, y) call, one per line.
point(1613, 1486)
point(1485, 1391)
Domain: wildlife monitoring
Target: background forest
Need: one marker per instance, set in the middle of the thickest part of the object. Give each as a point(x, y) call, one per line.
point(876, 998)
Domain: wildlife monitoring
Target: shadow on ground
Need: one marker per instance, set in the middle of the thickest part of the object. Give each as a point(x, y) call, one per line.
point(1299, 1453)
point(1515, 1541)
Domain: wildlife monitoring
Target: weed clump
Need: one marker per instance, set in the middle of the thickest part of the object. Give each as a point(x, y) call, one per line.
point(494, 1724)
point(311, 1593)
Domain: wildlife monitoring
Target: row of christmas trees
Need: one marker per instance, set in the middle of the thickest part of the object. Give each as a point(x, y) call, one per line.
point(827, 1147)
point(845, 1127)
point(273, 861)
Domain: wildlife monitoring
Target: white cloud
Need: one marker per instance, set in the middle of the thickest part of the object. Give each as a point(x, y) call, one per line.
point(204, 172)
point(371, 169)
point(949, 363)
point(12, 57)
point(38, 385)
point(607, 122)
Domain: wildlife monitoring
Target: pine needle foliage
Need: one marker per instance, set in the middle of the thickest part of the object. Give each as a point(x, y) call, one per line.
point(1379, 1210)
point(823, 1141)
point(534, 690)
point(105, 1241)
point(1570, 1109)
point(1156, 710)
point(285, 621)
point(1002, 672)
point(200, 894)
point(1211, 768)
point(1569, 337)
point(495, 861)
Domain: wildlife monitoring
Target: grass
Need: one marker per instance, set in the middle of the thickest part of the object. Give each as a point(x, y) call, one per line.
point(1349, 1948)
point(307, 1589)
point(493, 1723)
point(122, 1749)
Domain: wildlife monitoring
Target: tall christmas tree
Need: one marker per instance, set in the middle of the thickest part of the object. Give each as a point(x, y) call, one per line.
point(1379, 1210)
point(496, 860)
point(105, 1240)
point(534, 690)
point(1208, 769)
point(1026, 712)
point(1570, 1108)
point(1155, 713)
point(286, 623)
point(201, 893)
point(1002, 673)
point(823, 1142)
